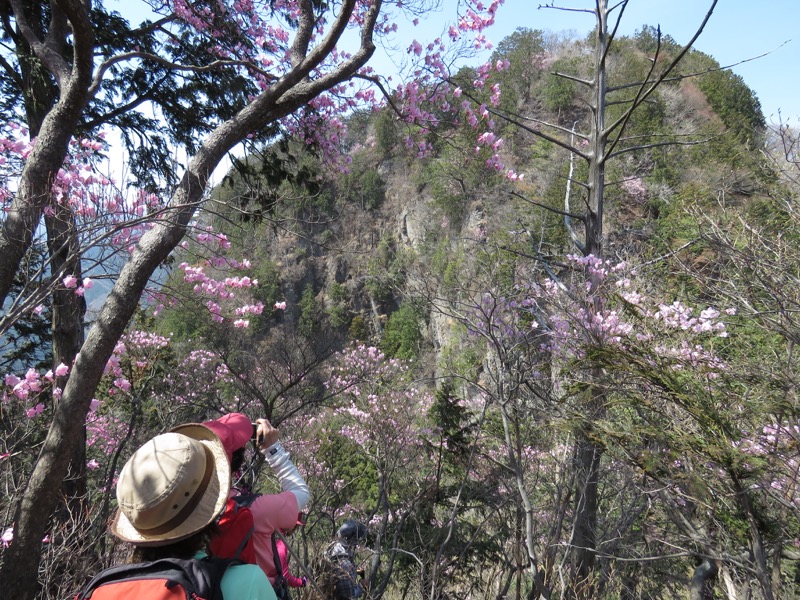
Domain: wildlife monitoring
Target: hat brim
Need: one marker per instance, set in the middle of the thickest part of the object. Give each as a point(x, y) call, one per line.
point(210, 505)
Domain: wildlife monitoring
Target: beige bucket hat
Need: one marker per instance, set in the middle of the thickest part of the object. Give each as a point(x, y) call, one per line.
point(172, 487)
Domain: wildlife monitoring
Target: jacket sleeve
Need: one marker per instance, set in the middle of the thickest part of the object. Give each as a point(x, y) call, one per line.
point(283, 554)
point(291, 580)
point(288, 475)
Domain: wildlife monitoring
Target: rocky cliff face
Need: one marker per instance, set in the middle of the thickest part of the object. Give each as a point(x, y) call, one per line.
point(400, 229)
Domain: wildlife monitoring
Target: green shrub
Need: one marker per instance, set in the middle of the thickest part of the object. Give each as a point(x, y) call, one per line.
point(338, 310)
point(558, 93)
point(402, 335)
point(387, 133)
point(309, 321)
point(359, 331)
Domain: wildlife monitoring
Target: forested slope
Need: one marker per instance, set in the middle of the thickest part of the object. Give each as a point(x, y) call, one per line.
point(431, 254)
point(438, 352)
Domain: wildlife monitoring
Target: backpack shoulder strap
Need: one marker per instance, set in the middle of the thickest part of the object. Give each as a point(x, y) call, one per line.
point(244, 499)
point(243, 543)
point(212, 568)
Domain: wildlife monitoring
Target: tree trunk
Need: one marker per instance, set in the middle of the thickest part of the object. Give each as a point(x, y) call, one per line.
point(69, 310)
point(50, 149)
point(702, 581)
point(584, 541)
point(588, 452)
point(762, 572)
point(290, 92)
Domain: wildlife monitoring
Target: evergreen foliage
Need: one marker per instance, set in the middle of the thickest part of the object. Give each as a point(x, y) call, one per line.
point(402, 335)
point(558, 93)
point(735, 103)
point(308, 320)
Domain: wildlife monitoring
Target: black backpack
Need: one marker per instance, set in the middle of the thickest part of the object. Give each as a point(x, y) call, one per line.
point(163, 579)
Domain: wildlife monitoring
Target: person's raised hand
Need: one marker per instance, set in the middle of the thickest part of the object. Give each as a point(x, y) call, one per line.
point(266, 434)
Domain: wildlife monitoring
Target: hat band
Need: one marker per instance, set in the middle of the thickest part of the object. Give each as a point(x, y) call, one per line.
point(189, 507)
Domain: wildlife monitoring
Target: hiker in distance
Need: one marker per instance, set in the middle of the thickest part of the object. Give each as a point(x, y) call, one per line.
point(270, 512)
point(341, 553)
point(170, 493)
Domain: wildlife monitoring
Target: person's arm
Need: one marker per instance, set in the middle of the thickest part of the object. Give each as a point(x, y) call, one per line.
point(283, 555)
point(293, 581)
point(278, 458)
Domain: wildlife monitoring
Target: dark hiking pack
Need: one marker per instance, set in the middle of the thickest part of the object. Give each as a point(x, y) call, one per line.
point(343, 574)
point(235, 527)
point(336, 574)
point(163, 579)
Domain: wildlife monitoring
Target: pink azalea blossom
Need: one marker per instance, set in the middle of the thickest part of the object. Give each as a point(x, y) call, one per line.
point(62, 370)
point(35, 411)
point(70, 282)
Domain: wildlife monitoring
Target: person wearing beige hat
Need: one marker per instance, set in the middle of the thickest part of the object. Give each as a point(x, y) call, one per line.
point(170, 492)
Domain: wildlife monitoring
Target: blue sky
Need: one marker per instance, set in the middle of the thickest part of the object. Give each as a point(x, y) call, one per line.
point(738, 30)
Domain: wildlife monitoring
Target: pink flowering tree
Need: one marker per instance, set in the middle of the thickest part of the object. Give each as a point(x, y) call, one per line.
point(232, 309)
point(674, 415)
point(284, 62)
point(367, 455)
point(115, 417)
point(210, 282)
